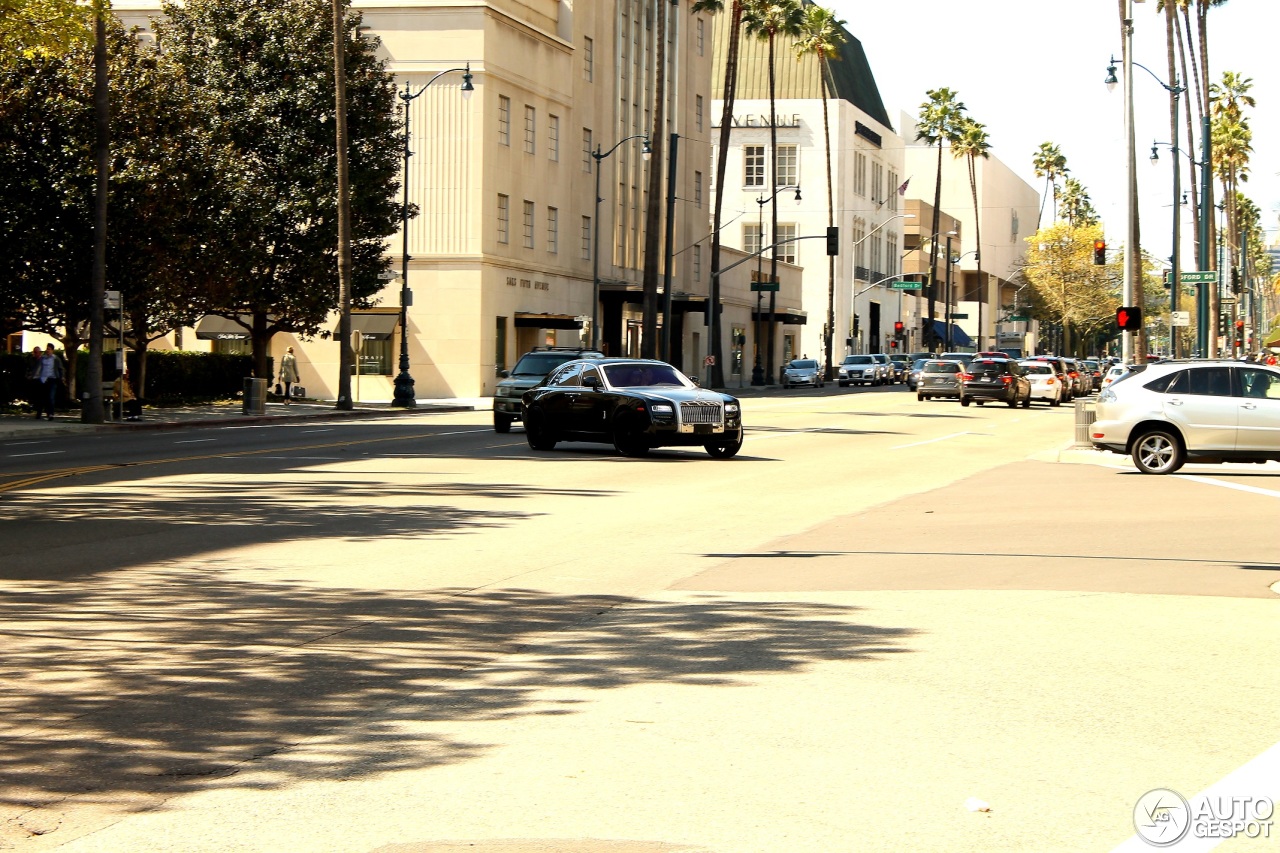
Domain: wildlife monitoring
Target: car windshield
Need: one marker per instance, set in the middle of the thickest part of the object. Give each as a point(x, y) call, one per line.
point(942, 367)
point(541, 363)
point(859, 359)
point(802, 364)
point(644, 376)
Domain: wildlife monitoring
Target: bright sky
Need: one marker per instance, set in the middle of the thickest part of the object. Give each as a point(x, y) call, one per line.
point(1032, 71)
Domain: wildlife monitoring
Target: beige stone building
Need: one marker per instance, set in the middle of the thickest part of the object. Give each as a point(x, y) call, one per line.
point(502, 251)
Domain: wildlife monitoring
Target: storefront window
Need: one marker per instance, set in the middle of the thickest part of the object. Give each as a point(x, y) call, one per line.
point(375, 358)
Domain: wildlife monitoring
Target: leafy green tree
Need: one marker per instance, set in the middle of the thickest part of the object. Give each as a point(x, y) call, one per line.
point(1066, 287)
point(971, 143)
point(939, 122)
point(821, 35)
point(42, 28)
point(269, 72)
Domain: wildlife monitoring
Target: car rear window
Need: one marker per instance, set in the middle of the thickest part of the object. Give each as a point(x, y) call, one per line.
point(541, 363)
point(942, 367)
point(801, 363)
point(1038, 369)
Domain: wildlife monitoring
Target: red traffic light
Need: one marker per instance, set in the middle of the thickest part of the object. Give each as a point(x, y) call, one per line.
point(1129, 318)
point(1099, 252)
point(898, 327)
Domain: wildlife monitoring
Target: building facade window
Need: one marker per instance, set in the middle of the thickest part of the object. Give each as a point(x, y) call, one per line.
point(891, 250)
point(893, 191)
point(753, 165)
point(530, 129)
point(859, 173)
point(877, 183)
point(859, 248)
point(697, 111)
point(528, 224)
point(504, 120)
point(752, 238)
point(702, 36)
point(787, 231)
point(697, 189)
point(788, 166)
point(587, 159)
point(697, 262)
point(504, 218)
point(553, 230)
point(588, 59)
point(500, 344)
point(586, 238)
point(553, 138)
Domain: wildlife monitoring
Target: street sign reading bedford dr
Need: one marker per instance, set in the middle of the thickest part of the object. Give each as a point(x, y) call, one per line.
point(906, 285)
point(1196, 277)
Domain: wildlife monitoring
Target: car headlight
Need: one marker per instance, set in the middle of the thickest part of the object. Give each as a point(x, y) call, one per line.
point(661, 409)
point(1107, 396)
point(731, 408)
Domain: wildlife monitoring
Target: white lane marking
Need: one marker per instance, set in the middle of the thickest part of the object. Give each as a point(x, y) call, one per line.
point(23, 443)
point(930, 441)
point(1241, 487)
point(293, 458)
point(194, 440)
point(37, 453)
point(1254, 780)
point(308, 431)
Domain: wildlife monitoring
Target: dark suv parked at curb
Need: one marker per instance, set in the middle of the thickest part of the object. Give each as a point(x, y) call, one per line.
point(527, 373)
point(999, 379)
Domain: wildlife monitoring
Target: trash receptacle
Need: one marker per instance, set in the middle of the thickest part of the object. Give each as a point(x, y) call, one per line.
point(1085, 416)
point(255, 396)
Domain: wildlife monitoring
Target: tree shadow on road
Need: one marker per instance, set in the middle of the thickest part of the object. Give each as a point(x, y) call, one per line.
point(128, 688)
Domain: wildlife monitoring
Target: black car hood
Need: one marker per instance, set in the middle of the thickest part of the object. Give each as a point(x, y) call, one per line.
point(677, 395)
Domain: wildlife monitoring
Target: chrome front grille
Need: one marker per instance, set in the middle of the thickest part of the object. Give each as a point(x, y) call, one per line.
point(701, 413)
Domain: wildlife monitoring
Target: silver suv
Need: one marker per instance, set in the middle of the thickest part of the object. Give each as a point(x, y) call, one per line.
point(1174, 412)
point(858, 370)
point(527, 373)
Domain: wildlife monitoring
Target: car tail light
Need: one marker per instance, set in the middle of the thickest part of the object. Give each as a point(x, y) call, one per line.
point(1049, 381)
point(1006, 379)
point(966, 377)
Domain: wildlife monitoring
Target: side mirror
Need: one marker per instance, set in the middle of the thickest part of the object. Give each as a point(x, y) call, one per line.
point(696, 381)
point(503, 374)
point(592, 382)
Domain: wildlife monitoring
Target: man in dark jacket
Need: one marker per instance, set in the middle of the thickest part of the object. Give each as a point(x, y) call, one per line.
point(49, 374)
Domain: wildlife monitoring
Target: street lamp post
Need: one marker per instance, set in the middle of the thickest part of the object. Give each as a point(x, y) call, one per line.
point(645, 151)
point(863, 239)
point(404, 395)
point(1133, 255)
point(946, 309)
point(757, 369)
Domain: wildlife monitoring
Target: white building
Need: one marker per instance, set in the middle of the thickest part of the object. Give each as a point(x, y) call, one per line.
point(867, 171)
point(502, 253)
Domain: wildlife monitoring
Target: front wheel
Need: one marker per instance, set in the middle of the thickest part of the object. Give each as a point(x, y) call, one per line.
point(1157, 452)
point(627, 438)
point(501, 422)
point(536, 432)
point(964, 401)
point(920, 397)
point(1026, 401)
point(726, 451)
point(1056, 401)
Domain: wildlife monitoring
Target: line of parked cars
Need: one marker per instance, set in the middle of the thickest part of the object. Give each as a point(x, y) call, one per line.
point(995, 376)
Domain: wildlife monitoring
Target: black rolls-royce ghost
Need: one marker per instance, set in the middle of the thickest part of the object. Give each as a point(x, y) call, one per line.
point(633, 404)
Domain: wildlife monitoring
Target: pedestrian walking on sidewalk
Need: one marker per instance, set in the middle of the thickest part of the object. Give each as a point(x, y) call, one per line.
point(288, 372)
point(35, 393)
point(50, 374)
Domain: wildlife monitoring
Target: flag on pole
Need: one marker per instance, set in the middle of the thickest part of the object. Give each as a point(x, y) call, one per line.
point(902, 190)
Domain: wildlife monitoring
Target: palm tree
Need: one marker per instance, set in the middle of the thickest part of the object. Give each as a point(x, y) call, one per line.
point(1232, 145)
point(1077, 206)
point(766, 21)
point(722, 160)
point(971, 143)
point(822, 34)
point(1050, 165)
point(939, 121)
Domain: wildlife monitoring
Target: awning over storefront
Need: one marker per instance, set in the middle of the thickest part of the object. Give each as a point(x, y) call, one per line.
point(547, 321)
point(959, 337)
point(215, 328)
point(788, 316)
point(375, 327)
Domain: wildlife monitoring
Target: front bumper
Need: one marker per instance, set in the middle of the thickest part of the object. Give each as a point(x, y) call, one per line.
point(509, 406)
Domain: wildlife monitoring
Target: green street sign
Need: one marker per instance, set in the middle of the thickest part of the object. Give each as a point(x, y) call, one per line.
point(764, 285)
point(959, 316)
point(1196, 277)
point(1016, 319)
point(906, 285)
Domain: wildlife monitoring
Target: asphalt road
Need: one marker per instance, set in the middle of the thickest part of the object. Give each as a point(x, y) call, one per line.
point(414, 634)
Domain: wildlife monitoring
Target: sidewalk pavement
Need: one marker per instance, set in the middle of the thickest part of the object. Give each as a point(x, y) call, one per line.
point(225, 413)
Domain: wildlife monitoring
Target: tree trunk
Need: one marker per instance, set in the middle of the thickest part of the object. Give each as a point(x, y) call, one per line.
point(653, 200)
point(1191, 136)
point(346, 355)
point(929, 336)
point(773, 215)
point(91, 411)
point(714, 348)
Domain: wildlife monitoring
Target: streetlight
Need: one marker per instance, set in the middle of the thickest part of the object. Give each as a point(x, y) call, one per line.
point(404, 395)
point(757, 369)
point(645, 152)
point(863, 239)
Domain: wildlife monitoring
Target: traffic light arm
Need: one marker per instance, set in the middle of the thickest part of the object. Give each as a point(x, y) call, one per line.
point(737, 263)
